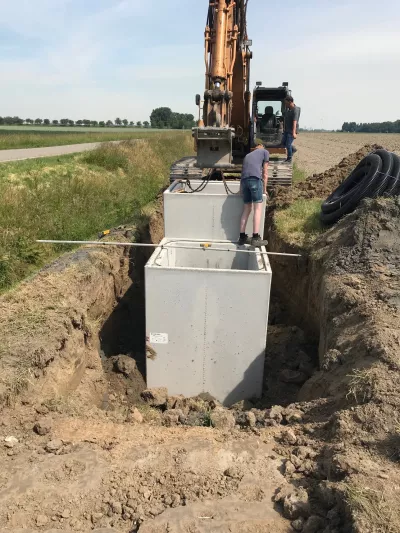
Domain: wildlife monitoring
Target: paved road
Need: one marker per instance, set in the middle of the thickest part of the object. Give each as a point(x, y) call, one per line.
point(50, 151)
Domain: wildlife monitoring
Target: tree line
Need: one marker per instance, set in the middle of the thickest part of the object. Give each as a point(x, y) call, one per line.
point(372, 127)
point(160, 118)
point(17, 121)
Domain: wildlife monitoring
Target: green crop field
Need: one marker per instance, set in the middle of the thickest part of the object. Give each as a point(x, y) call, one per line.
point(13, 137)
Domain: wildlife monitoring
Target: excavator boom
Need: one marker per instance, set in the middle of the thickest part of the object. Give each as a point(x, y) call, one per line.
point(224, 126)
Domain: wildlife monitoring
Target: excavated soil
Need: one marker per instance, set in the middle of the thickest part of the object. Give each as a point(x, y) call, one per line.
point(83, 450)
point(321, 185)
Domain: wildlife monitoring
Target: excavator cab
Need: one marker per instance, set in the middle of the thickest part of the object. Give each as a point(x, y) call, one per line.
point(267, 116)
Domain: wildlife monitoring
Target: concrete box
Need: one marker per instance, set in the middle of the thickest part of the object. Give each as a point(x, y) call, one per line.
point(206, 319)
point(208, 214)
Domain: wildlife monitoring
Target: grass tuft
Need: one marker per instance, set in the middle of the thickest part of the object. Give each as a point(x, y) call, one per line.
point(361, 385)
point(299, 224)
point(374, 508)
point(108, 156)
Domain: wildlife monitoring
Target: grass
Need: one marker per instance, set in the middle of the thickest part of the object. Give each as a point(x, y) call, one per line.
point(374, 508)
point(361, 385)
point(298, 174)
point(75, 197)
point(299, 224)
point(25, 138)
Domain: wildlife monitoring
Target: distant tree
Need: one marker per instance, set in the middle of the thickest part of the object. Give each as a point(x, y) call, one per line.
point(64, 122)
point(38, 121)
point(94, 123)
point(118, 121)
point(131, 123)
point(86, 122)
point(79, 122)
point(161, 117)
point(125, 122)
point(102, 124)
point(146, 123)
point(54, 122)
point(138, 124)
point(71, 122)
point(46, 122)
point(8, 120)
point(29, 121)
point(109, 123)
point(1, 120)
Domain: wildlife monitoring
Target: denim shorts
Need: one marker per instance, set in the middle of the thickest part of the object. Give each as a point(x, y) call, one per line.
point(252, 190)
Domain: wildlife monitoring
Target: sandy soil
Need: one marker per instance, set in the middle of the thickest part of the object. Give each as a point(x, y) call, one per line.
point(318, 152)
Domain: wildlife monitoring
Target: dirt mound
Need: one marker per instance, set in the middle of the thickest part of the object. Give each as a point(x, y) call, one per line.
point(321, 185)
point(353, 295)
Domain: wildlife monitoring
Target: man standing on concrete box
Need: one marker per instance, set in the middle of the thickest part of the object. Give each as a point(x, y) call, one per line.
point(253, 185)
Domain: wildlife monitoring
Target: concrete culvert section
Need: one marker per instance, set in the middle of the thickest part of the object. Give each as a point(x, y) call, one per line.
point(209, 211)
point(206, 319)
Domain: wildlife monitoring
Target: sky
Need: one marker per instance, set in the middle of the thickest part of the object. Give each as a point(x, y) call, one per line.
point(102, 59)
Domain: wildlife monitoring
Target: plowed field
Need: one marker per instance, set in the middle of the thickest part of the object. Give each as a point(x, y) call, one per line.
point(319, 151)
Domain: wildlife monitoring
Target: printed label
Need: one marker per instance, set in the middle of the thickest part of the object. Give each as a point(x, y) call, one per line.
point(159, 338)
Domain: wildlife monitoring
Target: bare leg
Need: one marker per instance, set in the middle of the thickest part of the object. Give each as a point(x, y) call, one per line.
point(245, 217)
point(257, 217)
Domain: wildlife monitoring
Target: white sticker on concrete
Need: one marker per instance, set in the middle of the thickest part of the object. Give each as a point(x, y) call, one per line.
point(159, 338)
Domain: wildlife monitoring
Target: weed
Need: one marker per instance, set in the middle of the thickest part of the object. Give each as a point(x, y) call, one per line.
point(361, 385)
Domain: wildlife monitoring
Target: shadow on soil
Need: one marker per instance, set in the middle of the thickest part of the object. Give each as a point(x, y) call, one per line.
point(123, 333)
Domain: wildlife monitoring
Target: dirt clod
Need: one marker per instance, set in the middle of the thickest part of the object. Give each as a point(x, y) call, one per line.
point(10, 442)
point(222, 419)
point(288, 436)
point(43, 426)
point(314, 524)
point(171, 417)
point(298, 524)
point(54, 445)
point(134, 416)
point(156, 397)
point(42, 520)
point(125, 365)
point(296, 505)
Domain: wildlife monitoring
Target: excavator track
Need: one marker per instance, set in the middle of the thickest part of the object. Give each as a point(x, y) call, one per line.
point(280, 173)
point(185, 169)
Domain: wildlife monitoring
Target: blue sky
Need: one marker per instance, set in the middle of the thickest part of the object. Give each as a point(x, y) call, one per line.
point(102, 59)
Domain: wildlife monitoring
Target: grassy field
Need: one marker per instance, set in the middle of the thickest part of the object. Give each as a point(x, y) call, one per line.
point(21, 137)
point(74, 197)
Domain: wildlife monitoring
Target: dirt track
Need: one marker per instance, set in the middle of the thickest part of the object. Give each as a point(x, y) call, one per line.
point(50, 151)
point(320, 151)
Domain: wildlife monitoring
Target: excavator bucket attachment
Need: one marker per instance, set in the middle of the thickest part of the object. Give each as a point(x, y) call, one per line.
point(214, 147)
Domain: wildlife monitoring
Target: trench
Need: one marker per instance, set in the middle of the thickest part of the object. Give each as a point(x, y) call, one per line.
point(291, 356)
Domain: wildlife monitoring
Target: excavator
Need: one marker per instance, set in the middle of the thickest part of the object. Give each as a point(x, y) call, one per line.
point(232, 119)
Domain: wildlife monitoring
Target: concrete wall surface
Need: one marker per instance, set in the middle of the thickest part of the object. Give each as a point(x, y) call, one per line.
point(208, 214)
point(207, 324)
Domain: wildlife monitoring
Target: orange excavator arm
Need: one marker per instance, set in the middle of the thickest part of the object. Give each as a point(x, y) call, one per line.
point(224, 128)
